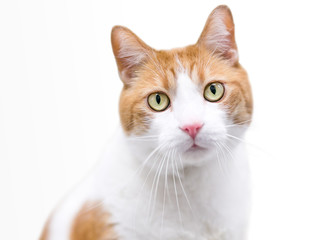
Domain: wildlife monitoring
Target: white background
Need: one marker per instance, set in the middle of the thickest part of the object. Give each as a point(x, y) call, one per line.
point(59, 93)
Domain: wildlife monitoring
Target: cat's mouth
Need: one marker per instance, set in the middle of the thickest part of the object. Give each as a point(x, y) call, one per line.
point(195, 148)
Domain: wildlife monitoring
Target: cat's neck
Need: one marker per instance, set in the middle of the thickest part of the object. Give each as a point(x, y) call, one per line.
point(188, 193)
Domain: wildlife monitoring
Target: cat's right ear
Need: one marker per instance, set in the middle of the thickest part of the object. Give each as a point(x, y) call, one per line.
point(129, 50)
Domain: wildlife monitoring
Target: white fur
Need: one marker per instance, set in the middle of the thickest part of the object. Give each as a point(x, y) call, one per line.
point(194, 198)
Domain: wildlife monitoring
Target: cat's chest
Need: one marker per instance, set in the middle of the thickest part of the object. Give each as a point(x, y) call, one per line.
point(171, 216)
point(205, 205)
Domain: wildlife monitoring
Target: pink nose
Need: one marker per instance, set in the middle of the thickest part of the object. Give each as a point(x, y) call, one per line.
point(192, 129)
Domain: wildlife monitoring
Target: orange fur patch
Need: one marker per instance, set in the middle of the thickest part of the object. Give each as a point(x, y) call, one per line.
point(92, 223)
point(45, 232)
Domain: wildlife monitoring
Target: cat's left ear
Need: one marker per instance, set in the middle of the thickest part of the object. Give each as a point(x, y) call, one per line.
point(218, 34)
point(130, 52)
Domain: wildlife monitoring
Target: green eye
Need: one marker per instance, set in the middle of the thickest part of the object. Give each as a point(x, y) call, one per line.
point(214, 92)
point(158, 101)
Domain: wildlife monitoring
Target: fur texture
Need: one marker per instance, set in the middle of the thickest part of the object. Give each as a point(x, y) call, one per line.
point(156, 181)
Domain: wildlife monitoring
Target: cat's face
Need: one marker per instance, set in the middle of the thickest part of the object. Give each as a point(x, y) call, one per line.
point(184, 102)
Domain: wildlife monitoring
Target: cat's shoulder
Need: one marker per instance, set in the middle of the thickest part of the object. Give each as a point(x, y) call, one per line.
point(81, 215)
point(90, 222)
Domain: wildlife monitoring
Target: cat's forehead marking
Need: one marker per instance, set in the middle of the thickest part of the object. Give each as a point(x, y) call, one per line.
point(188, 102)
point(184, 85)
point(186, 69)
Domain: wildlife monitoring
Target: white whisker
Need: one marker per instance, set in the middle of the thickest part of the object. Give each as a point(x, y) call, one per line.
point(183, 189)
point(164, 194)
point(153, 184)
point(228, 150)
point(219, 161)
point(176, 194)
point(224, 157)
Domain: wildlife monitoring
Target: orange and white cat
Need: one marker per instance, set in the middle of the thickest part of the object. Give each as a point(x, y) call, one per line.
point(177, 169)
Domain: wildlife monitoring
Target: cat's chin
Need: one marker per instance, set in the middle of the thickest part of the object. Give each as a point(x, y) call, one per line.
point(197, 155)
point(195, 152)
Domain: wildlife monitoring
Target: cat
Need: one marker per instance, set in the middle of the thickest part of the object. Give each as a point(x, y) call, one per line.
point(177, 169)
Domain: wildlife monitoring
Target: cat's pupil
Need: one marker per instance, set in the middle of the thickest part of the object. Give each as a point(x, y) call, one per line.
point(158, 98)
point(213, 89)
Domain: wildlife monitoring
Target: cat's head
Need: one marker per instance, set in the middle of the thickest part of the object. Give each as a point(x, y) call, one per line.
point(185, 101)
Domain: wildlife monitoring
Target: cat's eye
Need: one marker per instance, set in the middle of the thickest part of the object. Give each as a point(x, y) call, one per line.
point(214, 92)
point(158, 101)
